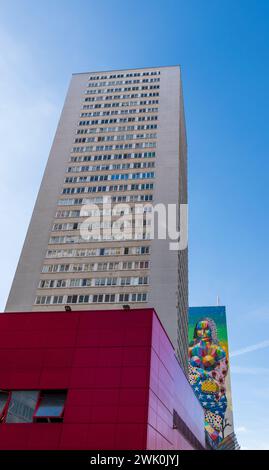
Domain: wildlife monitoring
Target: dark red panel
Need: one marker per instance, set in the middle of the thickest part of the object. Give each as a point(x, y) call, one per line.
point(59, 357)
point(102, 436)
point(131, 436)
point(55, 378)
point(132, 397)
point(74, 436)
point(41, 439)
point(105, 413)
point(78, 414)
point(15, 436)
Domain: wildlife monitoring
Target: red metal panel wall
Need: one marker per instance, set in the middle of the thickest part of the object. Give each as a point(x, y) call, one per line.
point(169, 391)
point(103, 358)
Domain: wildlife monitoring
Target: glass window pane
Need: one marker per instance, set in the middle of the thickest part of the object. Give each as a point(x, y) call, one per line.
point(22, 406)
point(51, 404)
point(3, 400)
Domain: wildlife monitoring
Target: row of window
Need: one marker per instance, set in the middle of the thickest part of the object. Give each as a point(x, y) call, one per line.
point(127, 222)
point(114, 138)
point(134, 102)
point(106, 212)
point(89, 267)
point(115, 166)
point(110, 177)
point(99, 130)
point(105, 237)
point(117, 210)
point(124, 75)
point(103, 90)
point(119, 104)
point(100, 148)
point(102, 199)
point(95, 122)
point(88, 252)
point(90, 299)
point(95, 282)
point(32, 406)
point(123, 82)
point(113, 156)
point(102, 224)
point(119, 111)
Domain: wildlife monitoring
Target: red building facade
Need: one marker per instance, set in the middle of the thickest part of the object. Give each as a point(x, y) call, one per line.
point(93, 380)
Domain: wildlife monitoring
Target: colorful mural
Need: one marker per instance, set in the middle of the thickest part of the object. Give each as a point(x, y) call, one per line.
point(209, 369)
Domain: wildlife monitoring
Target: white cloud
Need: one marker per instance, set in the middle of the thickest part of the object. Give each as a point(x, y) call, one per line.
point(250, 370)
point(253, 347)
point(241, 429)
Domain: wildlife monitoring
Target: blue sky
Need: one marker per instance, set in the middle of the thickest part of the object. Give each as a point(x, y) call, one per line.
point(223, 50)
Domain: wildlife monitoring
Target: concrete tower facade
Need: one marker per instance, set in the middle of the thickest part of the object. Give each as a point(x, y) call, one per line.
point(120, 140)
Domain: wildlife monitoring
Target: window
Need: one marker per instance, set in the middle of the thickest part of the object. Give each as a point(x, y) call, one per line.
point(21, 406)
point(28, 406)
point(50, 407)
point(72, 299)
point(83, 299)
point(124, 297)
point(184, 430)
point(4, 399)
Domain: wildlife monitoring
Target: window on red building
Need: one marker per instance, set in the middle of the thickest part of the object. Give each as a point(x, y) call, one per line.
point(21, 406)
point(50, 407)
point(28, 406)
point(4, 399)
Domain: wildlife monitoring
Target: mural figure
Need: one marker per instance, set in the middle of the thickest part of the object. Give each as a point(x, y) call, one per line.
point(208, 368)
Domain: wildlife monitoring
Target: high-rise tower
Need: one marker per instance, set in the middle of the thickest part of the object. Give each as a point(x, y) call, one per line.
point(120, 140)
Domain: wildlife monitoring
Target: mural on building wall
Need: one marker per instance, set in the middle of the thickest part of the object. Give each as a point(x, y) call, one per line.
point(209, 369)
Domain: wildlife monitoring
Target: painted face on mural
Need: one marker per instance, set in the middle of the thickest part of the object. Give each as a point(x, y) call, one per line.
point(203, 330)
point(204, 351)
